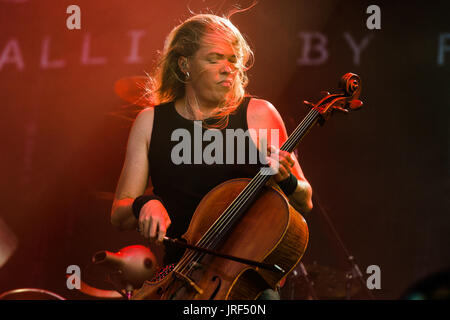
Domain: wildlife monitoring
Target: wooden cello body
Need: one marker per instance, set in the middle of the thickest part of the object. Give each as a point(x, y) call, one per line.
point(271, 231)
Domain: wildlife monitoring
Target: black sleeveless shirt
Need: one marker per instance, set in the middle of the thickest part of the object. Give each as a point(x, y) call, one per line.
point(182, 186)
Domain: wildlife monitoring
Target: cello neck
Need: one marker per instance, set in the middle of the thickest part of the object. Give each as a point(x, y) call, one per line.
point(243, 201)
point(301, 130)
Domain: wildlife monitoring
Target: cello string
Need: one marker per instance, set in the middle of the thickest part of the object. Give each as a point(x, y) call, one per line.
point(223, 223)
point(197, 256)
point(210, 233)
point(253, 184)
point(309, 119)
point(226, 218)
point(289, 143)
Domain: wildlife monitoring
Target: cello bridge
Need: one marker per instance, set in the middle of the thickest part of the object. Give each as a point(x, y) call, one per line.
point(189, 282)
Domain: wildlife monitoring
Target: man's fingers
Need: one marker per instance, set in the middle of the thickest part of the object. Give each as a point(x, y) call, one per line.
point(151, 223)
point(286, 164)
point(286, 156)
point(280, 154)
point(153, 227)
point(144, 225)
point(273, 150)
point(154, 221)
point(290, 160)
point(141, 226)
point(161, 232)
point(283, 172)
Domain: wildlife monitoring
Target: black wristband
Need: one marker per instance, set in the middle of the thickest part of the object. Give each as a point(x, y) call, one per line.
point(140, 201)
point(288, 185)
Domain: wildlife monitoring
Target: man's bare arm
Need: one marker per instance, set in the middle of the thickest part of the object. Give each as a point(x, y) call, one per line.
point(134, 176)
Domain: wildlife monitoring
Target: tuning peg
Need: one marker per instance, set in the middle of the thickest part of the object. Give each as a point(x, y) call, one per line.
point(356, 104)
point(309, 104)
point(340, 109)
point(323, 94)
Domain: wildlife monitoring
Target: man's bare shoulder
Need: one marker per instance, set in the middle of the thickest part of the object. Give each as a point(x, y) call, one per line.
point(146, 115)
point(262, 113)
point(261, 107)
point(142, 126)
point(144, 119)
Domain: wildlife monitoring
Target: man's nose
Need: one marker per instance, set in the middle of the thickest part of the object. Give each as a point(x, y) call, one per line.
point(228, 68)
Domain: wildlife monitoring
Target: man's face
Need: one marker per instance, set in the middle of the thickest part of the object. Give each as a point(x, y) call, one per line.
point(213, 70)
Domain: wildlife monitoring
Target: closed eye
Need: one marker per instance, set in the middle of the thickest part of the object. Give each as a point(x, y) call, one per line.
point(215, 57)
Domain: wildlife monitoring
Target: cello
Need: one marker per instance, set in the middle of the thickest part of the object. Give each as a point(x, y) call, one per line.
point(250, 219)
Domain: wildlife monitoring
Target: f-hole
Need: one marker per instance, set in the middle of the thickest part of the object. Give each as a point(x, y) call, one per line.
point(216, 290)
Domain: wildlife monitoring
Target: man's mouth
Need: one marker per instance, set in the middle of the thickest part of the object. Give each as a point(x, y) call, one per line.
point(226, 83)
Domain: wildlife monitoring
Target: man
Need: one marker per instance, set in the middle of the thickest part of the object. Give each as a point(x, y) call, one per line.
point(200, 80)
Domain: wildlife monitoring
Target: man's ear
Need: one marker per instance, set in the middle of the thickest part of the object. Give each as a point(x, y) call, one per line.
point(183, 64)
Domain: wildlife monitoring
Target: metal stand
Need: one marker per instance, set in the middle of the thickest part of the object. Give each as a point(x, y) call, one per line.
point(129, 291)
point(125, 289)
point(309, 282)
point(354, 271)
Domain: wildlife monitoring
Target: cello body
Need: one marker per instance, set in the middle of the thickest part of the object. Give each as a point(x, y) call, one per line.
point(270, 231)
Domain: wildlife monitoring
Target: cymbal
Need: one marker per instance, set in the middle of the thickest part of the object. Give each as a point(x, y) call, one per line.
point(328, 283)
point(133, 90)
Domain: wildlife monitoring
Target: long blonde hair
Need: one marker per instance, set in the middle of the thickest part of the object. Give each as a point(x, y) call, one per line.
point(168, 82)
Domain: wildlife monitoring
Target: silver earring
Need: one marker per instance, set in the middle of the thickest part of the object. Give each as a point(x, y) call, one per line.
point(187, 75)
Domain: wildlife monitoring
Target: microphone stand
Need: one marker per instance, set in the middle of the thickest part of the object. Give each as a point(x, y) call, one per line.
point(309, 282)
point(354, 271)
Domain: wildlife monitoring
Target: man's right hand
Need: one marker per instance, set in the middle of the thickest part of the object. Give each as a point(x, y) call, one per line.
point(153, 220)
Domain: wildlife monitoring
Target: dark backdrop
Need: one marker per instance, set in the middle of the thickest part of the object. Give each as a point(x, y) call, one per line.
point(380, 174)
